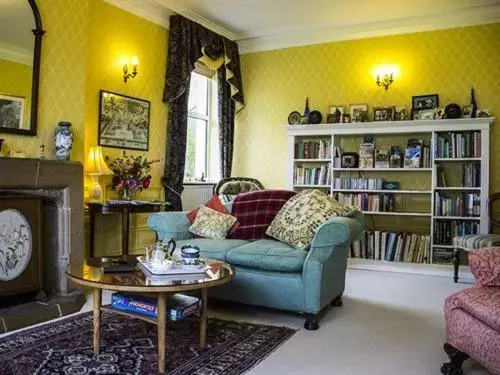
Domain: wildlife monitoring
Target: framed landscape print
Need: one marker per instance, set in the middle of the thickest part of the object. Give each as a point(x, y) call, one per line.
point(11, 112)
point(123, 121)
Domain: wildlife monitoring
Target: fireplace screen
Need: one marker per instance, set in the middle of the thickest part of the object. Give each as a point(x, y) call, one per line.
point(20, 263)
point(15, 244)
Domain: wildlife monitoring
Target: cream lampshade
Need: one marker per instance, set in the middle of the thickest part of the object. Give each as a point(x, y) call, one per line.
point(95, 166)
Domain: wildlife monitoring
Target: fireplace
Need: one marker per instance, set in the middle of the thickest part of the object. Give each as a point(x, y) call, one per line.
point(59, 187)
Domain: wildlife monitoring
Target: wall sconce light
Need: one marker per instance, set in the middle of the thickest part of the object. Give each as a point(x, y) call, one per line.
point(385, 75)
point(126, 74)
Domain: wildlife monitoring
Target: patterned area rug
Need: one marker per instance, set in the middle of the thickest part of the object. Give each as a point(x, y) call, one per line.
point(128, 346)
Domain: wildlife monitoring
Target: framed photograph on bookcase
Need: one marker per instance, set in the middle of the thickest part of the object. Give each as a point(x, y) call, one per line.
point(430, 101)
point(400, 113)
point(358, 112)
point(383, 113)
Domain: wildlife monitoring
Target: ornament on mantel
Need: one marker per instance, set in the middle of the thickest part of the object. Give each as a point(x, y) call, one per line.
point(307, 112)
point(63, 138)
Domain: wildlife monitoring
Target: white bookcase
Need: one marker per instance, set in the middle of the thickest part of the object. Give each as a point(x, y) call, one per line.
point(429, 186)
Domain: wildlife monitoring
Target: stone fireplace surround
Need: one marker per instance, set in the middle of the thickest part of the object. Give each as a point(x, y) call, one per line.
point(60, 185)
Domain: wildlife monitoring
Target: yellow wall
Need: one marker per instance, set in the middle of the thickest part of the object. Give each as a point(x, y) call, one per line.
point(16, 81)
point(447, 62)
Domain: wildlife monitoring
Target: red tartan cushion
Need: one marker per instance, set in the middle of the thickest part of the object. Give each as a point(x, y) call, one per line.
point(215, 204)
point(255, 211)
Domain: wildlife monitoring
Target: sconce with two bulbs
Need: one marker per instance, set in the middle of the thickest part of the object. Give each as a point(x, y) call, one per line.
point(126, 75)
point(385, 75)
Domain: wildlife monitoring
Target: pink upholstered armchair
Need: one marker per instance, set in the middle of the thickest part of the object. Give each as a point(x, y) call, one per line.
point(472, 316)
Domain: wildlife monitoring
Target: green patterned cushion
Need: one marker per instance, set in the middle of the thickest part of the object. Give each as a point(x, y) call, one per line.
point(299, 218)
point(211, 224)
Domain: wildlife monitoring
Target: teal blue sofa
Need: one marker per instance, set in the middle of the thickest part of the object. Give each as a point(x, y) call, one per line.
point(270, 273)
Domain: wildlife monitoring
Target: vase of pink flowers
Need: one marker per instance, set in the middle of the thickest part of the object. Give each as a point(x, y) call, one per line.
point(131, 174)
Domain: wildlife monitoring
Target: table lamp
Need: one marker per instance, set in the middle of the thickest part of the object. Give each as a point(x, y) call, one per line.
point(95, 166)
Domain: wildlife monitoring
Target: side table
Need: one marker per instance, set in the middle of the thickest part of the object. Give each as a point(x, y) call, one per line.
point(125, 208)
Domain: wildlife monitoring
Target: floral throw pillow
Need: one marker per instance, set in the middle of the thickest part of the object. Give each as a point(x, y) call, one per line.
point(485, 266)
point(215, 203)
point(301, 216)
point(211, 224)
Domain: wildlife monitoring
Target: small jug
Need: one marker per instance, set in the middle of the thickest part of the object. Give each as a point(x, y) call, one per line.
point(190, 255)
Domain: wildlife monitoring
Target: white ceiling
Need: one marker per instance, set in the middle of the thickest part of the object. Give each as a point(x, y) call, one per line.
point(16, 39)
point(271, 24)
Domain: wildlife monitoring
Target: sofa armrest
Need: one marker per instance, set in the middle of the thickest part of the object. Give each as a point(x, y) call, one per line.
point(335, 232)
point(169, 225)
point(325, 266)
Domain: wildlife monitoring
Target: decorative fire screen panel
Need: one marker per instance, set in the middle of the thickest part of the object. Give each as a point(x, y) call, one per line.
point(15, 244)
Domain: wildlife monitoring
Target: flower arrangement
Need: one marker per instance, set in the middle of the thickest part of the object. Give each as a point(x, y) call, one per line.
point(131, 174)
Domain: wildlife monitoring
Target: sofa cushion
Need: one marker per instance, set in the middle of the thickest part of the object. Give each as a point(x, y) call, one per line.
point(299, 218)
point(485, 266)
point(256, 210)
point(211, 248)
point(483, 302)
point(267, 255)
point(215, 203)
point(212, 224)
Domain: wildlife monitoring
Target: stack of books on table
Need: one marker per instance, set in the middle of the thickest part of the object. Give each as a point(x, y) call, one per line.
point(392, 247)
point(179, 306)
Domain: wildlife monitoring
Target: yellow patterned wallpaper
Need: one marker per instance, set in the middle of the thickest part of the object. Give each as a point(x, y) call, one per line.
point(16, 81)
point(114, 35)
point(447, 62)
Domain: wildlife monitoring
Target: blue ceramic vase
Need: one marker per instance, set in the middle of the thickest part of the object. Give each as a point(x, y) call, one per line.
point(64, 140)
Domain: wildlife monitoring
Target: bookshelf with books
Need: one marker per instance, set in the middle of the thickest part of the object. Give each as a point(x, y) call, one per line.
point(419, 184)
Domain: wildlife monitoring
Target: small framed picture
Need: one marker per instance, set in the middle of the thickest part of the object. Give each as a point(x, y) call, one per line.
point(11, 112)
point(346, 118)
point(383, 113)
point(337, 111)
point(483, 113)
point(439, 114)
point(400, 113)
point(424, 114)
point(358, 112)
point(430, 101)
point(467, 111)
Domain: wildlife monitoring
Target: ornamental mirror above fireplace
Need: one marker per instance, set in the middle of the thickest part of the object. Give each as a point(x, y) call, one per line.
point(20, 51)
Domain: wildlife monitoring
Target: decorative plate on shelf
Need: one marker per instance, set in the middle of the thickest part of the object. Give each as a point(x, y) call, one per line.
point(452, 111)
point(315, 117)
point(294, 118)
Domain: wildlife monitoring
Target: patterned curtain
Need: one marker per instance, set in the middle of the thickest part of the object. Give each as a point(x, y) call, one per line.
point(188, 42)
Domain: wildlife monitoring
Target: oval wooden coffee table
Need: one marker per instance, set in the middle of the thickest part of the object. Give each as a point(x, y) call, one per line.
point(90, 274)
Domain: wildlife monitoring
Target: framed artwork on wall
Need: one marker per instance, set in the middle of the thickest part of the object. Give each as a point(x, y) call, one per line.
point(123, 121)
point(11, 112)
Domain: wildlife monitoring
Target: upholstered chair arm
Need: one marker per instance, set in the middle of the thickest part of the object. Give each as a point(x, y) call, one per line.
point(169, 225)
point(325, 266)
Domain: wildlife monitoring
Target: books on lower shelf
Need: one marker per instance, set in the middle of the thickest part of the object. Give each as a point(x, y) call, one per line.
point(321, 175)
point(368, 202)
point(317, 149)
point(445, 230)
point(179, 306)
point(466, 204)
point(392, 247)
point(458, 145)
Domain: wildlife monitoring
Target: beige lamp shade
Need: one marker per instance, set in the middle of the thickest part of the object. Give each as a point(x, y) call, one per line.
point(95, 163)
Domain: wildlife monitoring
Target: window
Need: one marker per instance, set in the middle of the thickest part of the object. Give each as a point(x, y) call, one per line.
point(200, 133)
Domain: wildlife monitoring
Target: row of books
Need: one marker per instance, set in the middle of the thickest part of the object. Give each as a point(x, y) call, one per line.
point(466, 204)
point(179, 306)
point(471, 175)
point(358, 183)
point(368, 202)
point(444, 231)
point(442, 256)
point(392, 247)
point(458, 145)
point(318, 149)
point(313, 176)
